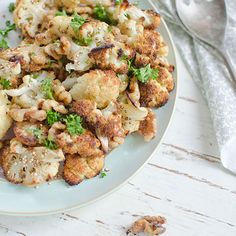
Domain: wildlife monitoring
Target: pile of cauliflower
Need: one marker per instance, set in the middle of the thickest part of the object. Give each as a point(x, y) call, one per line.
point(86, 74)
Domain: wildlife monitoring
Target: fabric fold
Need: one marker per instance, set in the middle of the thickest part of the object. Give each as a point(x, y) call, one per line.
point(210, 74)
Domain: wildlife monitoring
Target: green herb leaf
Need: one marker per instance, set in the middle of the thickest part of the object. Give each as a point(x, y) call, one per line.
point(145, 73)
point(3, 44)
point(77, 22)
point(46, 88)
point(6, 84)
point(101, 14)
point(53, 117)
point(118, 2)
point(61, 13)
point(103, 174)
point(50, 144)
point(9, 27)
point(74, 124)
point(84, 41)
point(11, 7)
point(36, 132)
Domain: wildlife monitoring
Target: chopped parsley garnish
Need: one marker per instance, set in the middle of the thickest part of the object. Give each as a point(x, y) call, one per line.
point(9, 27)
point(100, 13)
point(118, 2)
point(36, 132)
point(53, 117)
point(61, 13)
point(6, 84)
point(3, 44)
point(77, 22)
point(11, 7)
point(84, 41)
point(50, 144)
point(46, 88)
point(103, 174)
point(74, 124)
point(145, 73)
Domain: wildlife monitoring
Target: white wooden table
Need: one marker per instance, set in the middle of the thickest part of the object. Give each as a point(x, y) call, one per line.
point(184, 182)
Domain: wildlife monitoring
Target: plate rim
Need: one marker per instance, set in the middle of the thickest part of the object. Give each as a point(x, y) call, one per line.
point(102, 196)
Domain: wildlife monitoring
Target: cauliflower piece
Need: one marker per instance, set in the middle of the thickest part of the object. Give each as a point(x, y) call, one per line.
point(150, 225)
point(165, 78)
point(153, 94)
point(58, 26)
point(30, 114)
point(148, 127)
point(6, 121)
point(29, 93)
point(31, 57)
point(126, 11)
point(30, 166)
point(97, 2)
point(109, 56)
point(10, 71)
point(79, 56)
point(30, 134)
point(86, 144)
point(132, 29)
point(29, 15)
point(68, 4)
point(151, 44)
point(106, 123)
point(77, 168)
point(99, 86)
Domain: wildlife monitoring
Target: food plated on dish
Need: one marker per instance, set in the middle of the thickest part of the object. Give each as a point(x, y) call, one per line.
point(85, 76)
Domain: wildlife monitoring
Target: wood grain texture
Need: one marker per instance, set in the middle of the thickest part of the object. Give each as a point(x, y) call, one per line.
point(184, 182)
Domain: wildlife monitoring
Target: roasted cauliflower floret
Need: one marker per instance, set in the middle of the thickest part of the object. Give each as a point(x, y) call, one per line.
point(5, 121)
point(126, 11)
point(110, 56)
point(29, 15)
point(85, 145)
point(32, 89)
point(153, 94)
point(31, 57)
point(99, 86)
point(30, 134)
point(30, 166)
point(151, 44)
point(165, 78)
point(106, 123)
point(77, 168)
point(148, 127)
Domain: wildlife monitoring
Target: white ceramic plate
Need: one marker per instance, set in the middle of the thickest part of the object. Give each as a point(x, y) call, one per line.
point(123, 162)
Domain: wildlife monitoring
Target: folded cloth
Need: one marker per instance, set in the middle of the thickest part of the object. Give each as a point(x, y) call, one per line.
point(210, 74)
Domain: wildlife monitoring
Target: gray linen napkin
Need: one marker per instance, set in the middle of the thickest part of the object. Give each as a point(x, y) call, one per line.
point(211, 75)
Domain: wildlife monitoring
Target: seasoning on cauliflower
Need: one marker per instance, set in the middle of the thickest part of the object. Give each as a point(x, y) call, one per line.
point(5, 121)
point(30, 134)
point(30, 166)
point(99, 86)
point(77, 168)
point(110, 56)
point(29, 15)
point(31, 57)
point(85, 145)
point(148, 127)
point(106, 123)
point(153, 94)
